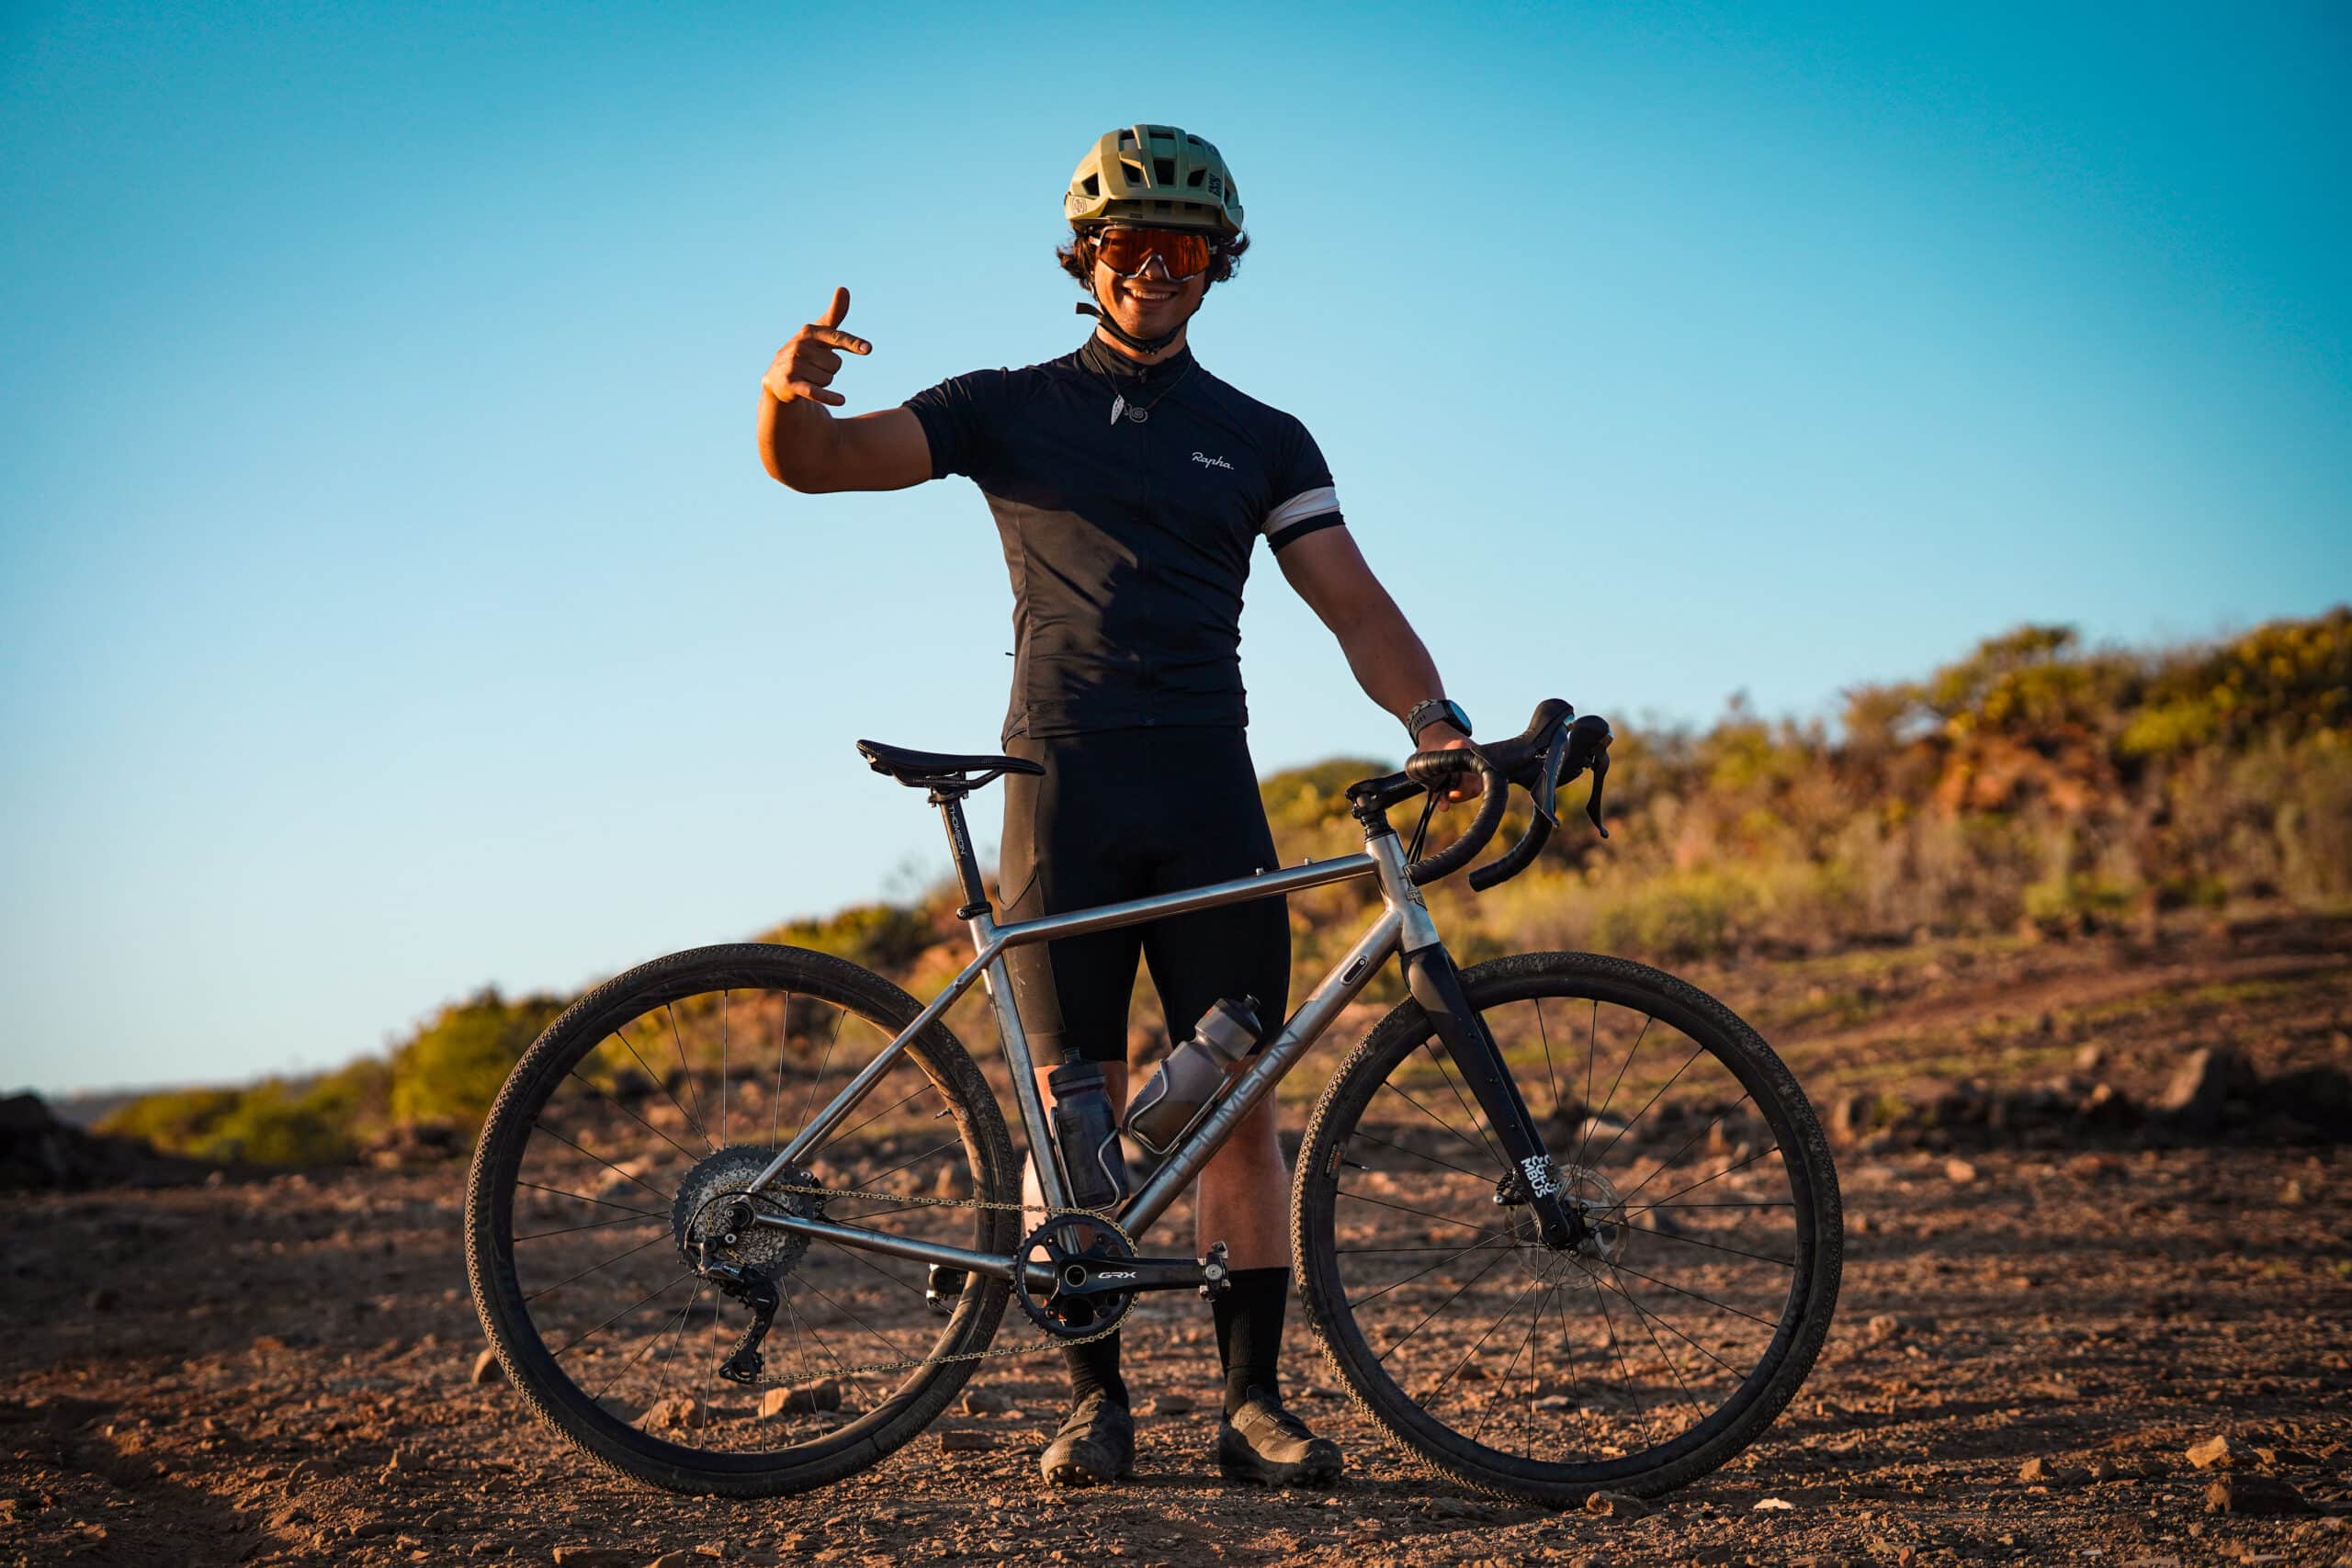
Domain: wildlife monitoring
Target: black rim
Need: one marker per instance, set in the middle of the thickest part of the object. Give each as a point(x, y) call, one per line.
point(1637, 1350)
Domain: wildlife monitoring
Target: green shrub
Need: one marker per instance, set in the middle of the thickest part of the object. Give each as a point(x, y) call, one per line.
point(453, 1068)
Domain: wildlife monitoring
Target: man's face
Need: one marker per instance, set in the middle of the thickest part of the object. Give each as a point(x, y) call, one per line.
point(1151, 303)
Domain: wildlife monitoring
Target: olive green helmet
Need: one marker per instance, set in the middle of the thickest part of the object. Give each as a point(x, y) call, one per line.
point(1154, 175)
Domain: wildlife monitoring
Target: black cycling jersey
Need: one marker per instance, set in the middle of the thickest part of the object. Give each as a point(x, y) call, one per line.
point(1128, 541)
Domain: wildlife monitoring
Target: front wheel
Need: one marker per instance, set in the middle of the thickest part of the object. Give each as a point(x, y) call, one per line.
point(1661, 1343)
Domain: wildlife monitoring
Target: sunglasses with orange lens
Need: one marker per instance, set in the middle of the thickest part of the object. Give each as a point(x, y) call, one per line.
point(1184, 253)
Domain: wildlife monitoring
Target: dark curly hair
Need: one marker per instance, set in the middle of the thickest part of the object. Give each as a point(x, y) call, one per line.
point(1077, 258)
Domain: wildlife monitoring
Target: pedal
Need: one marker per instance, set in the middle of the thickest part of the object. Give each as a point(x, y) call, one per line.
point(1216, 1278)
point(942, 1288)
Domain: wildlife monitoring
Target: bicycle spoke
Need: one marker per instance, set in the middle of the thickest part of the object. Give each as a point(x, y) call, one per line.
point(775, 1102)
point(1696, 1051)
point(1446, 1075)
point(688, 1074)
point(1549, 1076)
point(559, 1355)
point(1712, 1123)
point(655, 1079)
point(1418, 1155)
point(1711, 1245)
point(1405, 1209)
point(583, 1198)
point(632, 1116)
point(1594, 1118)
point(594, 1268)
point(1667, 1284)
point(1474, 1246)
point(1478, 1144)
point(1445, 1304)
point(590, 1225)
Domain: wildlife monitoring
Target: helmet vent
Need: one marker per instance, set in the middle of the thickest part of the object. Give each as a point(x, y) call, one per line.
point(1134, 171)
point(1164, 169)
point(1126, 138)
point(1094, 185)
point(1196, 176)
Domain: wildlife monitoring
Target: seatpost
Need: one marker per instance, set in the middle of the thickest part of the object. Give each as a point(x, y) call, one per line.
point(959, 844)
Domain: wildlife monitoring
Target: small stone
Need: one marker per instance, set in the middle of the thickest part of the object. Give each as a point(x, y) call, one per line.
point(594, 1557)
point(2034, 1471)
point(966, 1443)
point(2221, 1452)
point(1883, 1328)
point(1959, 1172)
point(2090, 1058)
point(2254, 1494)
point(1557, 1402)
point(488, 1369)
point(680, 1414)
point(986, 1402)
point(1617, 1505)
point(824, 1394)
point(1173, 1404)
point(679, 1559)
point(1773, 1505)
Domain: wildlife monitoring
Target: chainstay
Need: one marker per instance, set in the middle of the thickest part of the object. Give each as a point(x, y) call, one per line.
point(1044, 1341)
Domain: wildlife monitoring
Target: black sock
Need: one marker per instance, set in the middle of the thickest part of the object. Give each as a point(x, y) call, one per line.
point(1250, 1332)
point(1094, 1368)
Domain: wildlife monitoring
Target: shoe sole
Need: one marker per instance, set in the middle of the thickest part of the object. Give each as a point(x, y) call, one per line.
point(1070, 1473)
point(1253, 1471)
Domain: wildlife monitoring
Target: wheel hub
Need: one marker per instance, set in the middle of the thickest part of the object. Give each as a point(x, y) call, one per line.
point(1595, 1199)
point(713, 1213)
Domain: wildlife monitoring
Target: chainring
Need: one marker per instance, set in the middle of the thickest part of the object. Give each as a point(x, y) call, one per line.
point(699, 1217)
point(1073, 1318)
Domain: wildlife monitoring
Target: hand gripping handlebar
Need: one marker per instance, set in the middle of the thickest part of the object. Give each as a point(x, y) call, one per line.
point(1554, 748)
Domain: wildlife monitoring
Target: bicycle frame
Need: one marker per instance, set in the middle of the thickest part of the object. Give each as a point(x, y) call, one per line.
point(1403, 925)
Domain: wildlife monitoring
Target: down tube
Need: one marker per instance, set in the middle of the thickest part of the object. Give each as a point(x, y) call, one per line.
point(1337, 990)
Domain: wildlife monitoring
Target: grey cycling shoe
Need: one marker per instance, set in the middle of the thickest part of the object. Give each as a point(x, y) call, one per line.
point(1262, 1442)
point(1096, 1444)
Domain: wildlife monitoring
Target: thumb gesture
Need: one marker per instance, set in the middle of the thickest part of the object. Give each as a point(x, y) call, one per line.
point(804, 367)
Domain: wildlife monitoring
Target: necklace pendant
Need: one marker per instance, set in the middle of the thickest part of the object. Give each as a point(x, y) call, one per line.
point(1137, 416)
point(1118, 406)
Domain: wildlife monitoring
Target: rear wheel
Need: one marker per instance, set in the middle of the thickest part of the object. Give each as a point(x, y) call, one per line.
point(1657, 1346)
point(617, 1161)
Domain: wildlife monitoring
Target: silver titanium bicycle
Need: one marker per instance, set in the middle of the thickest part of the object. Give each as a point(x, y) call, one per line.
point(745, 1218)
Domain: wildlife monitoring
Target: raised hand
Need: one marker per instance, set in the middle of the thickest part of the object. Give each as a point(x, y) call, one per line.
point(804, 367)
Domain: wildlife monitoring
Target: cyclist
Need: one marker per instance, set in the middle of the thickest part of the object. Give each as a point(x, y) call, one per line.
point(1129, 486)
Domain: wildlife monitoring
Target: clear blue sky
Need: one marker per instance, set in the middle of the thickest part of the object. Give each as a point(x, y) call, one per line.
point(391, 601)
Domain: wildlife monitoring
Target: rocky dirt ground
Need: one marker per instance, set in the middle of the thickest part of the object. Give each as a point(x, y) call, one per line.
point(2080, 1252)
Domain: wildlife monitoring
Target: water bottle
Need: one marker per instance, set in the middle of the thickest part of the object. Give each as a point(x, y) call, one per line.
point(1191, 1077)
point(1086, 1136)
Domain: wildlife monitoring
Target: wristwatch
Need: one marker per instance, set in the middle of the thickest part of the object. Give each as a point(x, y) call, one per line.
point(1432, 710)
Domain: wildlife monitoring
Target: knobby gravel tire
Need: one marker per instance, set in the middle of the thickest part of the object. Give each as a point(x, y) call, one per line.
point(1797, 1338)
point(490, 1262)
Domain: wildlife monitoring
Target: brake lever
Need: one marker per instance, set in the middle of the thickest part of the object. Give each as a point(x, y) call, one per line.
point(1592, 801)
point(1555, 757)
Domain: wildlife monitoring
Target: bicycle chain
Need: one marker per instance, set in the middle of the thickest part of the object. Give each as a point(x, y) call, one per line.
point(1046, 1342)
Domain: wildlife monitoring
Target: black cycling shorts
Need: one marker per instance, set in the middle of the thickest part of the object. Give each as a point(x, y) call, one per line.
point(1120, 814)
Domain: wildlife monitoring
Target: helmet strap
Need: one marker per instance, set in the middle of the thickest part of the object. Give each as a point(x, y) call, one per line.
point(1095, 307)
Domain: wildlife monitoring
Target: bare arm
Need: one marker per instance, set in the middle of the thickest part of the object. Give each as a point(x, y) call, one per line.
point(1387, 657)
point(803, 446)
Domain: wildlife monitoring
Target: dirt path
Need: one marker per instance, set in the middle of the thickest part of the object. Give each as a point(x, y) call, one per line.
point(279, 1372)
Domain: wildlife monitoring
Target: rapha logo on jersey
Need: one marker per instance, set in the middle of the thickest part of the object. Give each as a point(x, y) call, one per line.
point(1204, 460)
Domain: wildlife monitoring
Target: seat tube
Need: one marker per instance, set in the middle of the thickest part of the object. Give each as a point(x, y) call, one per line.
point(959, 845)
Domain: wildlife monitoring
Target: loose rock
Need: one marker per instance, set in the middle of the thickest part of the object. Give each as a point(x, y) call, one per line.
point(1173, 1404)
point(2254, 1494)
point(825, 1394)
point(680, 1414)
point(1959, 1172)
point(2221, 1452)
point(986, 1402)
point(966, 1443)
point(594, 1557)
point(1617, 1505)
point(488, 1369)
